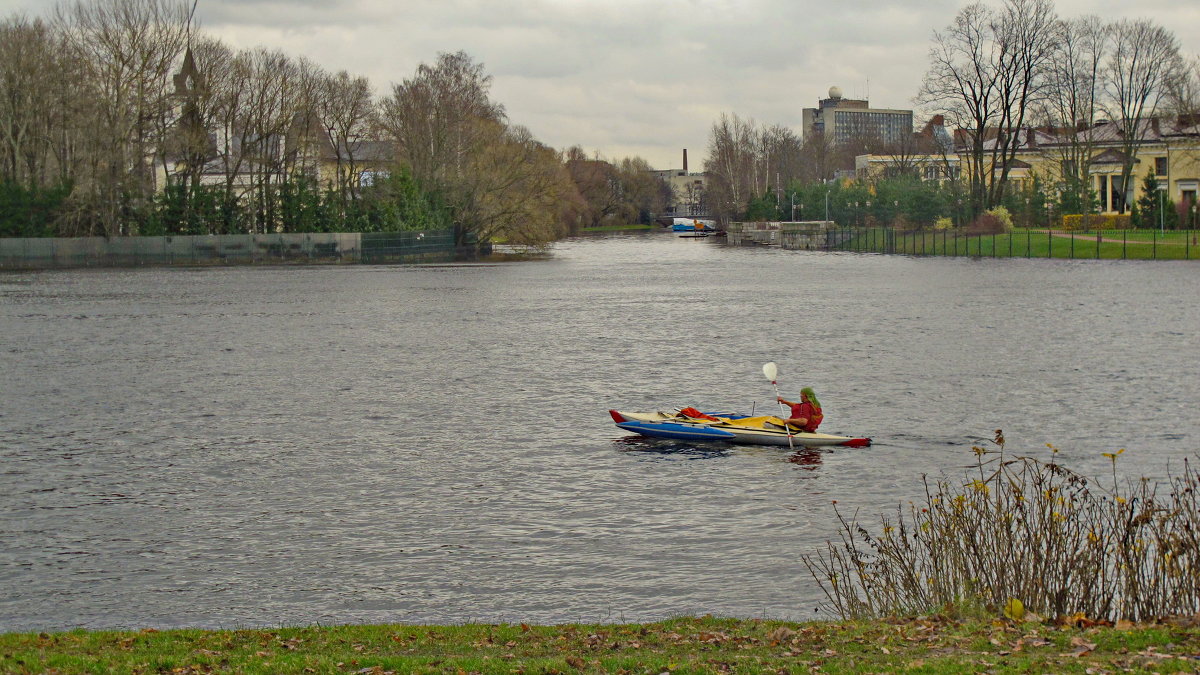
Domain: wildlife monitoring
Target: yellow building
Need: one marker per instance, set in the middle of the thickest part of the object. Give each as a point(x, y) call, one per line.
point(1169, 149)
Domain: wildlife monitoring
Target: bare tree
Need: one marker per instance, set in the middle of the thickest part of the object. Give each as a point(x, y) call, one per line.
point(1027, 32)
point(1136, 75)
point(746, 161)
point(986, 69)
point(497, 179)
point(817, 158)
point(345, 112)
point(1072, 104)
point(127, 48)
point(28, 70)
point(433, 117)
point(1183, 90)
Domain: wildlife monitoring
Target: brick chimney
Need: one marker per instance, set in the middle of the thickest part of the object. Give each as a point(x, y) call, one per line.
point(685, 160)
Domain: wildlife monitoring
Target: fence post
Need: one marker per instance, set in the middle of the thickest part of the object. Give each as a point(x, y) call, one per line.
point(1154, 244)
point(1072, 246)
point(1049, 243)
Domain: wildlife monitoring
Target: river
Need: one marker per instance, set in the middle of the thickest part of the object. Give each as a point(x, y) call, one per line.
point(265, 446)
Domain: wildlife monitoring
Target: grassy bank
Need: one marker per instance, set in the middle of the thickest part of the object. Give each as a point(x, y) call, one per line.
point(688, 645)
point(1022, 243)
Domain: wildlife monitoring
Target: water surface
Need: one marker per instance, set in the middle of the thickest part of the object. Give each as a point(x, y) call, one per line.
point(295, 445)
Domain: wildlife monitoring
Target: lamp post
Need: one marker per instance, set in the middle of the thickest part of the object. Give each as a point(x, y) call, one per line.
point(1161, 226)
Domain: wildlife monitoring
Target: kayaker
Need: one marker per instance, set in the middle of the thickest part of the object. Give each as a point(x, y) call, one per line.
point(807, 413)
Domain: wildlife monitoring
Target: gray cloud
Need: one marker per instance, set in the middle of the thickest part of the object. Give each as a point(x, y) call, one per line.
point(627, 76)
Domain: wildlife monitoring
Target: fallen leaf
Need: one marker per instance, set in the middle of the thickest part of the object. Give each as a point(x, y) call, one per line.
point(1080, 642)
point(781, 634)
point(575, 662)
point(1082, 647)
point(1014, 609)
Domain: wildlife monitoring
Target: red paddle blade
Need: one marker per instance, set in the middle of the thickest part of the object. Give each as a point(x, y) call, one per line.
point(856, 443)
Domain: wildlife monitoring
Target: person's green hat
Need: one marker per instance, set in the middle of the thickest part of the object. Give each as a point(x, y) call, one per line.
point(812, 396)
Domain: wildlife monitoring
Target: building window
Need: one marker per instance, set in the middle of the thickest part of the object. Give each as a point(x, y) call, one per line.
point(1160, 166)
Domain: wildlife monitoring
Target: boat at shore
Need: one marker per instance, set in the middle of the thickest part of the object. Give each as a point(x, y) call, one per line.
point(694, 225)
point(754, 430)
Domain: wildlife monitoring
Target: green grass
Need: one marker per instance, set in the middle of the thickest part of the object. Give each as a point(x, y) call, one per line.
point(686, 645)
point(1022, 243)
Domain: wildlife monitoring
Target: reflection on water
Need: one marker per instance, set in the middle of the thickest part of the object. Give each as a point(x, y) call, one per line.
point(672, 448)
point(265, 446)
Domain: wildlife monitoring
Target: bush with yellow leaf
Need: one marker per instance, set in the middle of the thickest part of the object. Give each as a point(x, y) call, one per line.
point(1024, 537)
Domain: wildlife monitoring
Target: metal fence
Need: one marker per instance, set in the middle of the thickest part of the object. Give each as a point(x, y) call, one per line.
point(228, 249)
point(1145, 244)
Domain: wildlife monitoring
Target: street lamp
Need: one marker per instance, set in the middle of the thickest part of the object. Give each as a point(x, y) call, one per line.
point(1161, 226)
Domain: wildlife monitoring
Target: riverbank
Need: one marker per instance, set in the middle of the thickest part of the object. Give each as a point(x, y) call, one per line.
point(1146, 244)
point(685, 645)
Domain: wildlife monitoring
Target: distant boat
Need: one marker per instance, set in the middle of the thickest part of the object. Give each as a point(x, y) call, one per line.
point(693, 225)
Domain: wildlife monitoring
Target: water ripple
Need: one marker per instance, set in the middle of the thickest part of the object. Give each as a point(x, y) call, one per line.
point(266, 446)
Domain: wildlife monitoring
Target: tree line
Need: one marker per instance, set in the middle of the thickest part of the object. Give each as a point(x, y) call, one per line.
point(118, 118)
point(997, 76)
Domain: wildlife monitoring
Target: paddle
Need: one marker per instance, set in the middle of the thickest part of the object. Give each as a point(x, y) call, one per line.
point(772, 371)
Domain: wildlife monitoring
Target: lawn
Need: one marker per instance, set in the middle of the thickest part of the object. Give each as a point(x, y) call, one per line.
point(1023, 243)
point(686, 645)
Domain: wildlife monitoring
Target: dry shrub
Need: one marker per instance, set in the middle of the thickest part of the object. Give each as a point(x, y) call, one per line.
point(1020, 528)
point(994, 221)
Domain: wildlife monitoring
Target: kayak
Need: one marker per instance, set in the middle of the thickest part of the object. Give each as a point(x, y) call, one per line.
point(758, 430)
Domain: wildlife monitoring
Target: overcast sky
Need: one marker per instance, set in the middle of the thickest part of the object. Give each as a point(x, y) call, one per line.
point(634, 77)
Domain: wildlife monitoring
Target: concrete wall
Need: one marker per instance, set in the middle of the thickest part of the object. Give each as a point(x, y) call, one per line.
point(228, 249)
point(805, 235)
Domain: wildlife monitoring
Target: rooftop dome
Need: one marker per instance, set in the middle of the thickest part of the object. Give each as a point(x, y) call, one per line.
point(835, 92)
